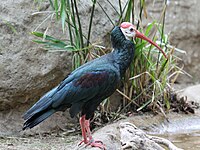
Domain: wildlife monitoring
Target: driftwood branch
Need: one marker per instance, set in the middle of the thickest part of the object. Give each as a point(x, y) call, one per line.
point(136, 139)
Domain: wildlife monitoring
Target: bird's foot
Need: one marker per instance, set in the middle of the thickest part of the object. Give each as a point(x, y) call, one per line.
point(94, 143)
point(98, 144)
point(83, 141)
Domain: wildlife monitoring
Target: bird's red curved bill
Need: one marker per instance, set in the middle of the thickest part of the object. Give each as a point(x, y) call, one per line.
point(142, 36)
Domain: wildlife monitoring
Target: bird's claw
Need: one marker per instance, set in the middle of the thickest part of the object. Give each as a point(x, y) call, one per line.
point(98, 144)
point(81, 142)
point(93, 143)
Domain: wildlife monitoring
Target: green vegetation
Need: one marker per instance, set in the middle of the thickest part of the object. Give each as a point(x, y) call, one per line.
point(148, 80)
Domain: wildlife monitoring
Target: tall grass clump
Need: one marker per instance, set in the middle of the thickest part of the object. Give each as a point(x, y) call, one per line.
point(147, 83)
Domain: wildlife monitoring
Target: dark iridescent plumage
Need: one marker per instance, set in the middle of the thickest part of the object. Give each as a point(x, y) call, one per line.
point(87, 86)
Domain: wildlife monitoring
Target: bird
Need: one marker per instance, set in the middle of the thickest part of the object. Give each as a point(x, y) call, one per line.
point(86, 87)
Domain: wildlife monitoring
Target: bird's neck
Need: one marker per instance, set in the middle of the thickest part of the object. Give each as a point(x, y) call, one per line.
point(124, 56)
point(123, 50)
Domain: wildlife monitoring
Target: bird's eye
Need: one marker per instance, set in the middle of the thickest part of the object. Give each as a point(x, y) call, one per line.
point(131, 29)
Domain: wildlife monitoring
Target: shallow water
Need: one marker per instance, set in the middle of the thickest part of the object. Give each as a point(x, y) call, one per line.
point(183, 132)
point(186, 141)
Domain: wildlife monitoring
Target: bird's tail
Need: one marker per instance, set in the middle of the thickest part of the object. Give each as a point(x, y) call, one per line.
point(37, 118)
point(40, 110)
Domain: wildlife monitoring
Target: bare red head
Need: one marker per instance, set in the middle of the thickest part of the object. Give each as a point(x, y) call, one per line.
point(130, 31)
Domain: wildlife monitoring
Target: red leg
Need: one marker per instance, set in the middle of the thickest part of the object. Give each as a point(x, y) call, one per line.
point(87, 128)
point(87, 136)
point(83, 130)
point(92, 142)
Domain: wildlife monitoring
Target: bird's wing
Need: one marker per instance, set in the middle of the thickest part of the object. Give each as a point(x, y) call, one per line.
point(90, 87)
point(86, 86)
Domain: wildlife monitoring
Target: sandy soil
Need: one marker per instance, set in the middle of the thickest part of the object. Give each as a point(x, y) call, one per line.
point(39, 142)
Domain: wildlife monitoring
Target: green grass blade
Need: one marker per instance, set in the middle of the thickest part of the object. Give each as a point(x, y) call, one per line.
point(90, 24)
point(128, 11)
point(51, 3)
point(144, 105)
point(79, 25)
point(63, 14)
point(107, 15)
point(47, 37)
point(69, 22)
point(56, 8)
